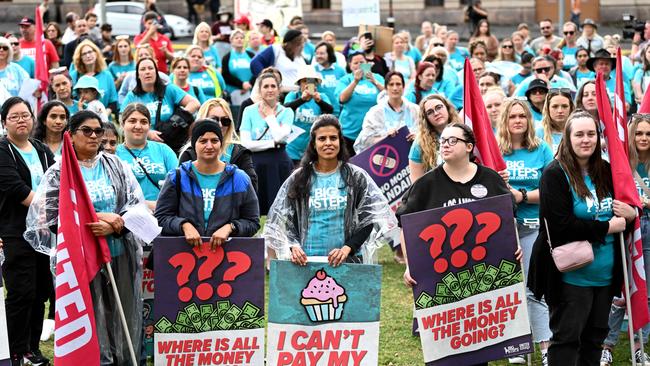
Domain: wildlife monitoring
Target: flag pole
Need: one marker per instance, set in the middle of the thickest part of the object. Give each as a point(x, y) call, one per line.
point(640, 336)
point(628, 302)
point(120, 310)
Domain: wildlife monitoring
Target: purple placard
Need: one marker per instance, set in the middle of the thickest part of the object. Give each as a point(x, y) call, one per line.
point(470, 293)
point(209, 305)
point(387, 163)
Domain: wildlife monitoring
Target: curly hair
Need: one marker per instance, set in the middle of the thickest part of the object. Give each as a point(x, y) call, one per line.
point(427, 136)
point(504, 139)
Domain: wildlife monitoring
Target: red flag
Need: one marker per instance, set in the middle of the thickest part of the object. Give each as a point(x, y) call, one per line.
point(645, 104)
point(620, 114)
point(476, 116)
point(79, 255)
point(625, 190)
point(41, 72)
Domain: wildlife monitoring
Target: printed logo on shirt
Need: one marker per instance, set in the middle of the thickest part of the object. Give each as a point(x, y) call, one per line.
point(478, 190)
point(457, 201)
point(329, 81)
point(153, 107)
point(99, 191)
point(518, 171)
point(149, 166)
point(365, 89)
point(327, 199)
point(208, 198)
point(240, 63)
point(204, 82)
point(9, 82)
point(646, 181)
point(305, 115)
point(605, 205)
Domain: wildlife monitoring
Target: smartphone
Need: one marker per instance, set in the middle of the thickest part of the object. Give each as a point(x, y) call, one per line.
point(367, 35)
point(365, 67)
point(311, 88)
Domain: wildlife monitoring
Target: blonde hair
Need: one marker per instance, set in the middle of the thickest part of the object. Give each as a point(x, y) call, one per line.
point(631, 132)
point(100, 64)
point(547, 123)
point(427, 136)
point(144, 46)
point(230, 136)
point(195, 40)
point(504, 139)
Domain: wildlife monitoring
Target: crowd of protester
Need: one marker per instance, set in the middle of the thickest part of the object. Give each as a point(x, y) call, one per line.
point(251, 120)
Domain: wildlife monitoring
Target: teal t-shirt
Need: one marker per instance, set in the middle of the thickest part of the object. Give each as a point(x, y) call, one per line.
point(353, 111)
point(208, 184)
point(33, 162)
point(569, 57)
point(415, 154)
point(525, 168)
point(308, 52)
point(252, 121)
point(414, 53)
point(640, 168)
point(457, 58)
point(403, 66)
point(12, 78)
point(557, 137)
point(328, 198)
point(203, 80)
point(212, 56)
point(118, 70)
point(305, 116)
point(239, 65)
point(331, 77)
point(226, 155)
point(598, 272)
point(582, 77)
point(172, 98)
point(642, 78)
point(157, 159)
point(409, 93)
point(518, 78)
point(104, 198)
point(28, 64)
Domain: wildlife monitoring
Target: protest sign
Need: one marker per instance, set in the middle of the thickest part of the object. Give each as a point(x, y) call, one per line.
point(209, 304)
point(387, 163)
point(470, 297)
point(355, 13)
point(147, 303)
point(323, 315)
point(4, 337)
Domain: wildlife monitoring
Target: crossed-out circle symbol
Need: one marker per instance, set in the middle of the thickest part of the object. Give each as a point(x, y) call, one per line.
point(386, 152)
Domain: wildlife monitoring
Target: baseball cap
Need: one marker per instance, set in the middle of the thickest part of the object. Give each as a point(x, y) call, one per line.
point(267, 23)
point(26, 21)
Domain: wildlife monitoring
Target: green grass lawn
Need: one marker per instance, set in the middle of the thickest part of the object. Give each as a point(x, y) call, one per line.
point(397, 347)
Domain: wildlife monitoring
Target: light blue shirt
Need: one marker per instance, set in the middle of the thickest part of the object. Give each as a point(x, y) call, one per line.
point(525, 169)
point(328, 199)
point(308, 52)
point(582, 77)
point(118, 70)
point(34, 165)
point(106, 86)
point(103, 196)
point(457, 58)
point(556, 137)
point(28, 64)
point(172, 98)
point(208, 184)
point(253, 122)
point(204, 81)
point(212, 56)
point(12, 78)
point(569, 57)
point(409, 93)
point(598, 272)
point(157, 159)
point(239, 65)
point(305, 115)
point(353, 111)
point(331, 77)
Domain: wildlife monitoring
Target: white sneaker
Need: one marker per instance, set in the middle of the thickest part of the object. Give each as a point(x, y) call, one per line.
point(517, 360)
point(48, 329)
point(606, 358)
point(639, 361)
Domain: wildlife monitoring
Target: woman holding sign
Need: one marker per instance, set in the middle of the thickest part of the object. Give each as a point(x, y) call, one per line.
point(328, 208)
point(526, 157)
point(576, 203)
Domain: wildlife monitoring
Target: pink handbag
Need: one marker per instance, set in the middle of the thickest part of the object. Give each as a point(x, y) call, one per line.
point(570, 256)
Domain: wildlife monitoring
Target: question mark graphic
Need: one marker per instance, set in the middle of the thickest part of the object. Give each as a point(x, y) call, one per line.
point(491, 222)
point(187, 263)
point(242, 264)
point(501, 328)
point(462, 219)
point(436, 233)
point(204, 291)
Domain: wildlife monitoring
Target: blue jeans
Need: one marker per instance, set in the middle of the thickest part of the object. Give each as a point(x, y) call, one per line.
point(617, 313)
point(537, 309)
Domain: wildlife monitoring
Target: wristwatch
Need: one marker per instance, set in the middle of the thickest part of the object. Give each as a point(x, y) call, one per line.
point(233, 228)
point(524, 194)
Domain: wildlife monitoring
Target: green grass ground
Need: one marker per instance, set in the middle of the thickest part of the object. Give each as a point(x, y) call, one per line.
point(396, 345)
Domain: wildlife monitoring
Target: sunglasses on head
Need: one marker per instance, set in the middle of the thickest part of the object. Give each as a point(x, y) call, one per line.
point(88, 132)
point(560, 91)
point(224, 121)
point(642, 116)
point(540, 70)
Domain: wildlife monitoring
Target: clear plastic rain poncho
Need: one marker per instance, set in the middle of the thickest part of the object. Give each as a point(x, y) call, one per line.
point(126, 253)
point(287, 222)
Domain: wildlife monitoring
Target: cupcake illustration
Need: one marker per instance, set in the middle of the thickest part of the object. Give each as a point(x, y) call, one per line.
point(323, 298)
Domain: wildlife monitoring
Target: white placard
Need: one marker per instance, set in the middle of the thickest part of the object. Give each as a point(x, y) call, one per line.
point(142, 223)
point(360, 12)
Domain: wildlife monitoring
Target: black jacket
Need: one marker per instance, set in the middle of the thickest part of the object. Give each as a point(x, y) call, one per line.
point(556, 206)
point(15, 185)
point(241, 157)
point(228, 77)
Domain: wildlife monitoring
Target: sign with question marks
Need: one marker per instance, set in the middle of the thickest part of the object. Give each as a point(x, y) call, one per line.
point(4, 338)
point(470, 297)
point(209, 304)
point(387, 164)
point(321, 315)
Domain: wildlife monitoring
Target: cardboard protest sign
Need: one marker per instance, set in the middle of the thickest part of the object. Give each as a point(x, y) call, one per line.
point(147, 303)
point(470, 296)
point(4, 337)
point(321, 315)
point(387, 163)
point(209, 305)
point(383, 37)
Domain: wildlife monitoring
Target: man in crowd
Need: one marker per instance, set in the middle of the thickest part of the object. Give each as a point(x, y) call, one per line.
point(161, 45)
point(547, 39)
point(28, 44)
point(68, 34)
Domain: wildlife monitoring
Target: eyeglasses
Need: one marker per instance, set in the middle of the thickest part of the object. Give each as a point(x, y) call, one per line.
point(88, 132)
point(542, 70)
point(87, 53)
point(438, 44)
point(452, 141)
point(224, 121)
point(434, 110)
point(560, 91)
point(538, 91)
point(15, 43)
point(506, 46)
point(548, 27)
point(18, 117)
point(569, 33)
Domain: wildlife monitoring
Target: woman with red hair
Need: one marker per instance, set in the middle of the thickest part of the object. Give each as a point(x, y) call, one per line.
point(425, 77)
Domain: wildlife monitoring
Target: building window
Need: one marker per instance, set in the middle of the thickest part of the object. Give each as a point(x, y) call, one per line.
point(320, 4)
point(434, 2)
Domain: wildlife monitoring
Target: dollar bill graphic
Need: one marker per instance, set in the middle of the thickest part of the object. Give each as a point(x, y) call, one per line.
point(229, 318)
point(249, 311)
point(194, 314)
point(442, 290)
point(183, 319)
point(441, 300)
point(470, 288)
point(488, 279)
point(222, 307)
point(424, 301)
point(183, 329)
point(479, 270)
point(164, 325)
point(453, 284)
point(257, 322)
point(206, 311)
point(506, 268)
